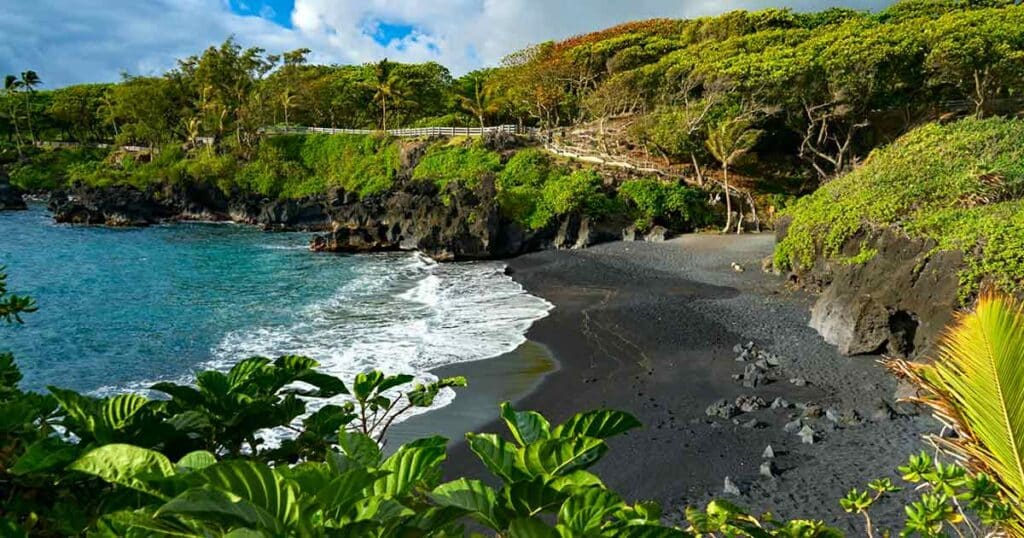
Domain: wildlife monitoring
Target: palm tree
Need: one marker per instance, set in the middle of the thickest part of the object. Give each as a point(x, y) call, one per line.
point(387, 87)
point(727, 142)
point(29, 81)
point(976, 386)
point(287, 103)
point(481, 102)
point(108, 111)
point(11, 87)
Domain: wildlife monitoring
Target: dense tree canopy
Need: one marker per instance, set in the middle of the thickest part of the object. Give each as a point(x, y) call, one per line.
point(835, 84)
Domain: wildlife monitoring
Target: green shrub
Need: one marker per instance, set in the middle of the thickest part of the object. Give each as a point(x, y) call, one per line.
point(365, 165)
point(520, 182)
point(49, 169)
point(959, 184)
point(580, 191)
point(270, 173)
point(467, 165)
point(654, 199)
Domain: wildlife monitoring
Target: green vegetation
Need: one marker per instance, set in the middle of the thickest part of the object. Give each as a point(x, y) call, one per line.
point(444, 163)
point(195, 464)
point(977, 385)
point(960, 184)
point(655, 199)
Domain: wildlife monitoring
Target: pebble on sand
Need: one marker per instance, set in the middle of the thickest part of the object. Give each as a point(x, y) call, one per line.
point(730, 488)
point(807, 435)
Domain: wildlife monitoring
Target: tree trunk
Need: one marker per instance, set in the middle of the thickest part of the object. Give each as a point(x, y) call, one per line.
point(753, 210)
point(728, 199)
point(28, 117)
point(17, 131)
point(696, 168)
point(384, 115)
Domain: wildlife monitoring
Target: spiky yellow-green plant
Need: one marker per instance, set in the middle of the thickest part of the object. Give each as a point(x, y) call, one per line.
point(976, 386)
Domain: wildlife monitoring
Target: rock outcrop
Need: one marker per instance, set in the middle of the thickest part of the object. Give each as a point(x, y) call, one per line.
point(11, 197)
point(450, 224)
point(128, 206)
point(896, 303)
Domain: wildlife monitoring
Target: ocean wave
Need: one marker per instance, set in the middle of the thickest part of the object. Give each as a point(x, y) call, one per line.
point(400, 314)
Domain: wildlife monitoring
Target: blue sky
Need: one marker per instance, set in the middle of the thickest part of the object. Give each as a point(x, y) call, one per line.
point(278, 11)
point(73, 41)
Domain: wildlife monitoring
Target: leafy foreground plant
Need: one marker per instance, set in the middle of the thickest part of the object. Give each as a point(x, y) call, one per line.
point(948, 498)
point(355, 491)
point(976, 387)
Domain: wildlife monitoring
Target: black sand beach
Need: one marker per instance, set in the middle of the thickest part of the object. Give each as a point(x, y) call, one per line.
point(650, 328)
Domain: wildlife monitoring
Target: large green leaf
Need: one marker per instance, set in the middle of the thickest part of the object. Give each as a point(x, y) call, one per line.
point(365, 384)
point(186, 396)
point(575, 480)
point(327, 386)
point(980, 375)
point(474, 497)
point(498, 455)
point(258, 484)
point(526, 426)
point(214, 385)
point(225, 509)
point(46, 454)
point(597, 424)
point(381, 509)
point(586, 511)
point(200, 459)
point(243, 372)
point(119, 410)
point(128, 466)
point(409, 466)
point(80, 412)
point(296, 363)
point(327, 420)
point(556, 457)
point(341, 493)
point(359, 447)
point(24, 412)
point(532, 497)
point(525, 527)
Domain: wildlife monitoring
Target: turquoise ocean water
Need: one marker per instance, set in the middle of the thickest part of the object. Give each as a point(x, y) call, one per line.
point(123, 308)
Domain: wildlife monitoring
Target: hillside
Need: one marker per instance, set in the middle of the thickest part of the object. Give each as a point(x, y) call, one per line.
point(959, 185)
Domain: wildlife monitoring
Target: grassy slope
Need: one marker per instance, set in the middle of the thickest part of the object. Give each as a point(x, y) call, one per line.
point(961, 184)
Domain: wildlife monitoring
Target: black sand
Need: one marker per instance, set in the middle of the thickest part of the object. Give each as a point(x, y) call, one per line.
point(650, 328)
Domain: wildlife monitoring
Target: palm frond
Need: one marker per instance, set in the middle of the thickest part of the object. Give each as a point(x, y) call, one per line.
point(976, 386)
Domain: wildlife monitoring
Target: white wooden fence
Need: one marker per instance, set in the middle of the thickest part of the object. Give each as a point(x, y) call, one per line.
point(409, 133)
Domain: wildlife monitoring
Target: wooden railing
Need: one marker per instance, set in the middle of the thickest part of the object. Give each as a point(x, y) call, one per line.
point(408, 133)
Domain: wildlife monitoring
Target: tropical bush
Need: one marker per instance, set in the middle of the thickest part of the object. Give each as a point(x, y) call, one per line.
point(464, 164)
point(48, 169)
point(960, 184)
point(653, 201)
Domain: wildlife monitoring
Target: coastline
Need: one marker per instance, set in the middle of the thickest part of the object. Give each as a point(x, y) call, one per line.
point(649, 328)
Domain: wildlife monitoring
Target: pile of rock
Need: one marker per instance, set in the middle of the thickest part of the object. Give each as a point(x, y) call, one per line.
point(759, 365)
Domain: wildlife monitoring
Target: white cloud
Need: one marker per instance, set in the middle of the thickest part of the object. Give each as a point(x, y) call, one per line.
point(69, 41)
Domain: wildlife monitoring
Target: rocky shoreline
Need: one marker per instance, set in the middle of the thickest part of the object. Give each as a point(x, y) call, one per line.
point(447, 224)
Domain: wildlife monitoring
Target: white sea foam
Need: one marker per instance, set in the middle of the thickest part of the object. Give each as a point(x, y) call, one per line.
point(400, 313)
